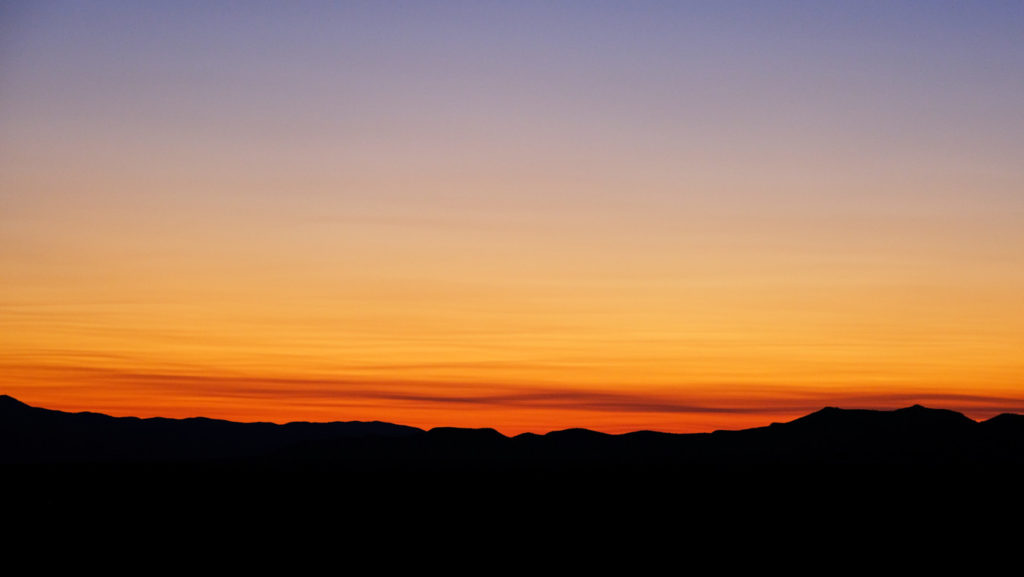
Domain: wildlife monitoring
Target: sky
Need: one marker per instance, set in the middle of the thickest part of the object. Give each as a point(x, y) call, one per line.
point(679, 216)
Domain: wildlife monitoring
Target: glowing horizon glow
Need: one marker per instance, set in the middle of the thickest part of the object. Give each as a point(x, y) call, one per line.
point(527, 217)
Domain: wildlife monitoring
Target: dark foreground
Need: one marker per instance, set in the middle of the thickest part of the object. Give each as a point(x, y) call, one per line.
point(910, 437)
point(847, 479)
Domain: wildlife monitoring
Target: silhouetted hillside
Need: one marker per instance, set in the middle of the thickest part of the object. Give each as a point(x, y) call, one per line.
point(30, 434)
point(911, 436)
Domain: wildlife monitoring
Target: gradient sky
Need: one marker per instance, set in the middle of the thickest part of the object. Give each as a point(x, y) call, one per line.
point(680, 216)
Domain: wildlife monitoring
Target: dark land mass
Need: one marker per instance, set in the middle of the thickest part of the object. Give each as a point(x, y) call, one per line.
point(914, 436)
point(323, 484)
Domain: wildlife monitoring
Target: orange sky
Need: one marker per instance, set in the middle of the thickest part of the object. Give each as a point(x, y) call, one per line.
point(519, 222)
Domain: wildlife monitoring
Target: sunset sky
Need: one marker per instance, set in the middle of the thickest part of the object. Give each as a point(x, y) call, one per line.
point(681, 216)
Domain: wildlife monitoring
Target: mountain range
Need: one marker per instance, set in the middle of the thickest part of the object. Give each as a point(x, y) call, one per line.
point(911, 436)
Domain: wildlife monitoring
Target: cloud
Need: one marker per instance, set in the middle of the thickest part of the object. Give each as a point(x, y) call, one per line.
point(438, 395)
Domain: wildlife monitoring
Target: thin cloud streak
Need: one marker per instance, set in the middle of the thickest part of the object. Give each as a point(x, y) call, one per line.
point(446, 402)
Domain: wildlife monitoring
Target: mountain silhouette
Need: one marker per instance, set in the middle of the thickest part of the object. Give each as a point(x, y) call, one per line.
point(31, 434)
point(911, 436)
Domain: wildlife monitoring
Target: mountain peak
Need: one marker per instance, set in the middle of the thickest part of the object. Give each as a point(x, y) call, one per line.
point(919, 412)
point(9, 401)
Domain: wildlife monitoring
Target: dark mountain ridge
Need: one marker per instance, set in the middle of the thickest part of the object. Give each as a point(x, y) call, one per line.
point(913, 436)
point(32, 434)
